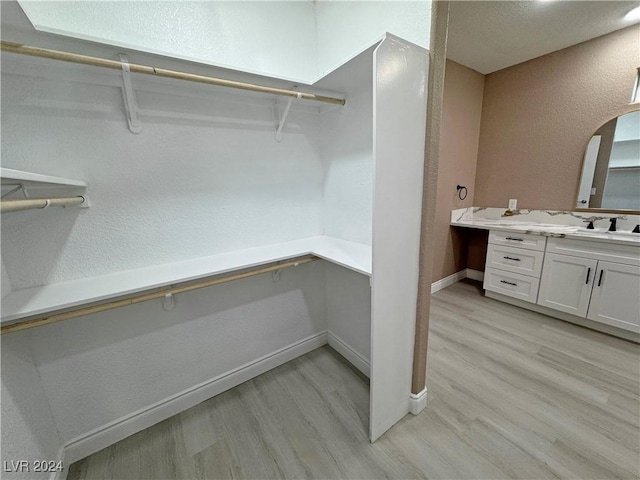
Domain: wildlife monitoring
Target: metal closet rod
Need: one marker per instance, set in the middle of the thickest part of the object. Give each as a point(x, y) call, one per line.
point(145, 297)
point(39, 203)
point(160, 72)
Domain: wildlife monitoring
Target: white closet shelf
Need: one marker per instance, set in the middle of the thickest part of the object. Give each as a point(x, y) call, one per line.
point(28, 179)
point(29, 302)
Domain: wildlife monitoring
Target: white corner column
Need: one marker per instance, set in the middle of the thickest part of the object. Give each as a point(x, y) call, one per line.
point(399, 117)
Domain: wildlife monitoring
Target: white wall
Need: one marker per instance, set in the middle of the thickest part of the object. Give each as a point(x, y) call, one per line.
point(345, 28)
point(300, 40)
point(5, 286)
point(205, 176)
point(100, 368)
point(269, 37)
point(348, 297)
point(347, 153)
point(28, 429)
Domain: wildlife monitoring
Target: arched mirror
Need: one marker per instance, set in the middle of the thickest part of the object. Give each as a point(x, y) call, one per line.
point(611, 167)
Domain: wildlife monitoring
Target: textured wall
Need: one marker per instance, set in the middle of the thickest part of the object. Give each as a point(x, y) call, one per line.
point(99, 368)
point(347, 153)
point(273, 38)
point(345, 28)
point(300, 40)
point(461, 113)
point(538, 117)
point(205, 176)
point(28, 429)
point(348, 297)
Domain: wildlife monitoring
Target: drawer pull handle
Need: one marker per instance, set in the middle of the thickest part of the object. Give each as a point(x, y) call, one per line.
point(600, 278)
point(514, 238)
point(509, 283)
point(512, 258)
point(588, 274)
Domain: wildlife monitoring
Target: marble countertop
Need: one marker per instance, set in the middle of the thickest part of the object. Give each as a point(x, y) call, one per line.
point(562, 224)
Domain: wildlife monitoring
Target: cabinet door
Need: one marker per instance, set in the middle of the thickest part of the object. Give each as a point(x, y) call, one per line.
point(566, 283)
point(616, 296)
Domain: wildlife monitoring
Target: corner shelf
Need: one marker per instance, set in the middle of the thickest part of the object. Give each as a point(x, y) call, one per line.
point(23, 304)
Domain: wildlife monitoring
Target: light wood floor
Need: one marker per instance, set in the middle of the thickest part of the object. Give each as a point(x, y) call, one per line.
point(512, 394)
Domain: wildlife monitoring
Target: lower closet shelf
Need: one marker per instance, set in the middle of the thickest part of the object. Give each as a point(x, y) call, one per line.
point(30, 302)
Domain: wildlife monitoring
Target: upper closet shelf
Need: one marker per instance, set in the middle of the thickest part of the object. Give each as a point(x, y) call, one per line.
point(27, 303)
point(127, 69)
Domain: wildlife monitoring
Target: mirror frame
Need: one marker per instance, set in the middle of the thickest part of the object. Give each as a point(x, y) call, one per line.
point(633, 107)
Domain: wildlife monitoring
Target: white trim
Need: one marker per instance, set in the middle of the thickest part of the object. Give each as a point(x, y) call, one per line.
point(101, 437)
point(475, 275)
point(456, 277)
point(417, 401)
point(61, 474)
point(447, 281)
point(349, 353)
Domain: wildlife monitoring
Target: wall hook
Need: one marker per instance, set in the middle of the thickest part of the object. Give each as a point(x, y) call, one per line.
point(130, 104)
point(168, 302)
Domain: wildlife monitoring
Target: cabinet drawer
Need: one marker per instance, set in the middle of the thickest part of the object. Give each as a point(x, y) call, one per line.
point(520, 240)
point(518, 260)
point(511, 284)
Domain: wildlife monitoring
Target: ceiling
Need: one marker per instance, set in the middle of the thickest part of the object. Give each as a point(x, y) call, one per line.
point(491, 35)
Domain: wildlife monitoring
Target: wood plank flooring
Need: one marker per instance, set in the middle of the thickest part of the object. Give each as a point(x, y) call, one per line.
point(512, 394)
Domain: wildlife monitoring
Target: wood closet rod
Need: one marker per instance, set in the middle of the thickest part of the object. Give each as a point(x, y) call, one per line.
point(154, 295)
point(39, 203)
point(160, 72)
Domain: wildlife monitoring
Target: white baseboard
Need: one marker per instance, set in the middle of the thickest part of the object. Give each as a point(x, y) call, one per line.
point(475, 275)
point(456, 277)
point(417, 401)
point(117, 430)
point(61, 459)
point(447, 281)
point(349, 353)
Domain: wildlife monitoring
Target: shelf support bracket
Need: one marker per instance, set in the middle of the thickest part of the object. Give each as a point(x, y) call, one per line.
point(168, 302)
point(283, 119)
point(130, 104)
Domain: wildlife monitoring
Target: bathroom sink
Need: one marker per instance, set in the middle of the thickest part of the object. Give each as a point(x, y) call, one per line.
point(605, 231)
point(553, 228)
point(624, 234)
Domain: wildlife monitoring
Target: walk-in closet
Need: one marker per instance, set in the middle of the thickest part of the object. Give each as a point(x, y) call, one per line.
point(172, 227)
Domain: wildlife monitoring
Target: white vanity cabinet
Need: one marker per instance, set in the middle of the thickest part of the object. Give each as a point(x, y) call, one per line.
point(593, 280)
point(514, 264)
point(616, 296)
point(566, 283)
